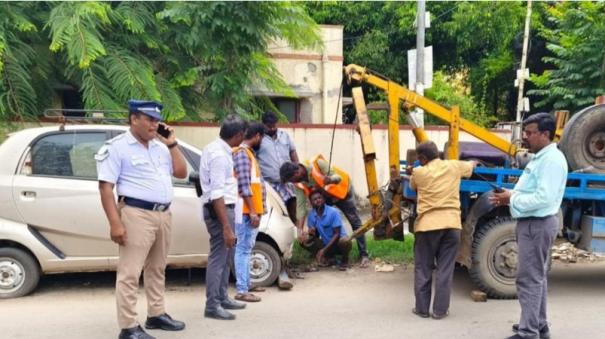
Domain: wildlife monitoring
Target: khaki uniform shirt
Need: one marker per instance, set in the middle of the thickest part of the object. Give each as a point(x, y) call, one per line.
point(438, 187)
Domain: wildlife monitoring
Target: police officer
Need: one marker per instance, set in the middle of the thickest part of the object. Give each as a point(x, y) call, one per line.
point(141, 164)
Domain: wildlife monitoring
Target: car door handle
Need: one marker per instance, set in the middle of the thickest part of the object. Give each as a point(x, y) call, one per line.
point(28, 195)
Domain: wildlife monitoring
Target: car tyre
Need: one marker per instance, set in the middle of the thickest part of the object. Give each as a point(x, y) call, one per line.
point(265, 264)
point(19, 273)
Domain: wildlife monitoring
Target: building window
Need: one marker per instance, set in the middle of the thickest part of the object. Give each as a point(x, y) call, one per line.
point(288, 107)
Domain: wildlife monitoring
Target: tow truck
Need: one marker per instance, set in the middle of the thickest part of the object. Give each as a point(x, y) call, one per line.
point(488, 245)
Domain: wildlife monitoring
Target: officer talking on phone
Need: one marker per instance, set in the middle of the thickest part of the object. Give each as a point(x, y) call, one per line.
point(141, 163)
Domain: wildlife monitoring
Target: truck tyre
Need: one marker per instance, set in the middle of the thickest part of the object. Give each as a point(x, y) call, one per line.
point(265, 264)
point(583, 140)
point(494, 256)
point(19, 273)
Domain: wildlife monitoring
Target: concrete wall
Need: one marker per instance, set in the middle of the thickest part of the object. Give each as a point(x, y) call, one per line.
point(315, 76)
point(313, 139)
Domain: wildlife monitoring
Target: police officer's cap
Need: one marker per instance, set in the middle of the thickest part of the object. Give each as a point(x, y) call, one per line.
point(150, 108)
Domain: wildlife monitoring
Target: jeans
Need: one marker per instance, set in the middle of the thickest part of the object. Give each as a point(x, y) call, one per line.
point(246, 237)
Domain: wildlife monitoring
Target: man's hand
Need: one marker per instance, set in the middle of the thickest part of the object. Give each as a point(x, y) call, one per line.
point(327, 180)
point(302, 235)
point(171, 138)
point(229, 237)
point(254, 220)
point(501, 199)
point(118, 234)
point(320, 256)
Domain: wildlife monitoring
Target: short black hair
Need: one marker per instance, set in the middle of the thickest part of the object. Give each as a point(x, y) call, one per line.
point(287, 171)
point(314, 192)
point(545, 122)
point(254, 128)
point(428, 149)
point(232, 125)
point(269, 118)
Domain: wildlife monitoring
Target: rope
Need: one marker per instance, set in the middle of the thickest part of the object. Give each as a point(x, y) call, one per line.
point(334, 127)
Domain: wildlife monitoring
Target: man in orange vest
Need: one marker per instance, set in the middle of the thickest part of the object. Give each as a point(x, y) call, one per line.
point(317, 174)
point(251, 189)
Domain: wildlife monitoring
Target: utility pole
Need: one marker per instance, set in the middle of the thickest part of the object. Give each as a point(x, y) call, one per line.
point(522, 74)
point(420, 24)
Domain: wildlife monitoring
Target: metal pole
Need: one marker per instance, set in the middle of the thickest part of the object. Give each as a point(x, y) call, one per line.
point(419, 114)
point(521, 78)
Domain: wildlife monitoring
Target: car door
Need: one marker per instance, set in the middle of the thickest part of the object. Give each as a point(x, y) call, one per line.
point(190, 240)
point(56, 193)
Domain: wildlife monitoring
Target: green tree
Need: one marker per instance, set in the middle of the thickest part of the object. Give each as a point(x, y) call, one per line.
point(193, 57)
point(474, 39)
point(575, 35)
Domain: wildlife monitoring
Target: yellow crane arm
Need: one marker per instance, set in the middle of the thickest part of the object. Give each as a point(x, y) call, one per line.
point(358, 74)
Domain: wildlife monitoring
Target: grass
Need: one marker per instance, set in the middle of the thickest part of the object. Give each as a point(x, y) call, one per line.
point(391, 251)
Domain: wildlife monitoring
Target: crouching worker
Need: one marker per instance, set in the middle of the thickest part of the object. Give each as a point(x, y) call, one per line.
point(326, 235)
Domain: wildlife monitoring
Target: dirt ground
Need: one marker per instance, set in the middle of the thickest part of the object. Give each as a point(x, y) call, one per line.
point(326, 304)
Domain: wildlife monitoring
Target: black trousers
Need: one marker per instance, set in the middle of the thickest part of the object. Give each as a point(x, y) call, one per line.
point(434, 250)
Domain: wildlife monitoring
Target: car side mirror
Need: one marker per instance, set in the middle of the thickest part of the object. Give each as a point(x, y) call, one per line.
point(194, 177)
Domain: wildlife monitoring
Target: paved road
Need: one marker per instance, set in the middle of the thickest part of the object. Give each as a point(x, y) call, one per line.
point(327, 304)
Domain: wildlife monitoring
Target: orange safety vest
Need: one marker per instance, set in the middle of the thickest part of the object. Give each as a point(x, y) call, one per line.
point(338, 191)
point(256, 185)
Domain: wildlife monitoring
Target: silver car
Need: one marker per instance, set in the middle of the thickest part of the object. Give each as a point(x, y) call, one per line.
point(51, 219)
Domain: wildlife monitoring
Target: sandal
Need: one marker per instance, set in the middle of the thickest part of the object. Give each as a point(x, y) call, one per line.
point(247, 297)
point(256, 289)
point(365, 262)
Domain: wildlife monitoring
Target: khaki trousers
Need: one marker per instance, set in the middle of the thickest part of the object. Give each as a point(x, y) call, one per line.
point(146, 249)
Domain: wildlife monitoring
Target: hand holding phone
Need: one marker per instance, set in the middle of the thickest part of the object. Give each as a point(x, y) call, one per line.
point(163, 131)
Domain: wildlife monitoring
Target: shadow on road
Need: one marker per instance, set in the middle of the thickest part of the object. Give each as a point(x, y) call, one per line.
point(175, 279)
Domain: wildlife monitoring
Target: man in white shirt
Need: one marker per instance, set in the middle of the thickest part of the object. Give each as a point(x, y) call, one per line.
point(219, 187)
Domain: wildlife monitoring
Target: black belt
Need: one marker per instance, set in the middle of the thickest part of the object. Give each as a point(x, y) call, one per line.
point(146, 205)
point(536, 218)
point(208, 205)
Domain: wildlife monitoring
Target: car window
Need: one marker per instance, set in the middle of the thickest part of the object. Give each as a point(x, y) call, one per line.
point(67, 154)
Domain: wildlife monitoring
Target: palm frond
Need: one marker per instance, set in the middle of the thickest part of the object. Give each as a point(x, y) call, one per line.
point(173, 106)
point(130, 76)
point(75, 26)
point(17, 95)
point(95, 90)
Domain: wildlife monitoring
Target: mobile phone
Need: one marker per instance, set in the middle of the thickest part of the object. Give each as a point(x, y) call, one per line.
point(163, 131)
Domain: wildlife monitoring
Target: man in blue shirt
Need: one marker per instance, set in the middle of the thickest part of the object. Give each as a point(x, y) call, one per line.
point(326, 232)
point(275, 149)
point(535, 202)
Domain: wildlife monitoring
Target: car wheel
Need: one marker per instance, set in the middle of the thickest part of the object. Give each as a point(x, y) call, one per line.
point(19, 273)
point(265, 264)
point(494, 255)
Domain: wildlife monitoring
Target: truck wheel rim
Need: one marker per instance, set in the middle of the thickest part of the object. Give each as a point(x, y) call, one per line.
point(596, 145)
point(12, 275)
point(260, 265)
point(504, 260)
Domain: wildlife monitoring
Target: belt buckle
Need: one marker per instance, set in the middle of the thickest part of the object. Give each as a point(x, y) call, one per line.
point(159, 207)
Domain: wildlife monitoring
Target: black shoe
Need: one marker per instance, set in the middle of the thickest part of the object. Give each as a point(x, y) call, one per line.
point(134, 333)
point(440, 316)
point(219, 314)
point(420, 314)
point(164, 322)
point(544, 331)
point(231, 304)
point(516, 336)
